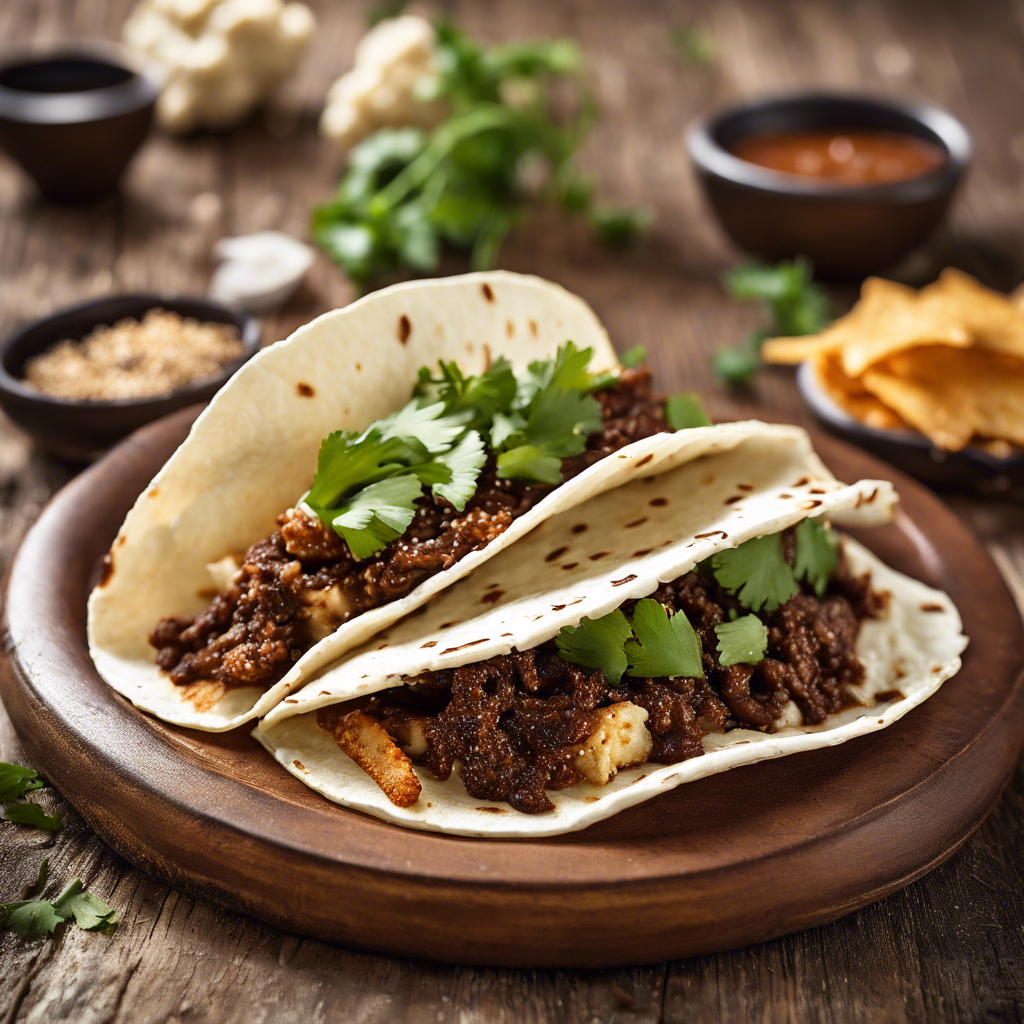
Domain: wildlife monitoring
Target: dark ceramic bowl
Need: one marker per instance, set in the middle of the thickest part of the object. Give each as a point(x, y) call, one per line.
point(847, 231)
point(73, 116)
point(971, 469)
point(80, 430)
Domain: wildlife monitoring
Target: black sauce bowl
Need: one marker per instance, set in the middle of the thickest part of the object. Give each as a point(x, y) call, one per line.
point(73, 116)
point(81, 430)
point(847, 231)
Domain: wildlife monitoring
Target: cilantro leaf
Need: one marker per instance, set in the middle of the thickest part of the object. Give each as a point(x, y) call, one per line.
point(757, 573)
point(633, 356)
point(664, 647)
point(28, 813)
point(91, 914)
point(560, 420)
point(817, 554)
point(378, 514)
point(742, 641)
point(429, 425)
point(31, 919)
point(16, 780)
point(597, 644)
point(529, 462)
point(691, 45)
point(617, 225)
point(464, 461)
point(686, 410)
point(507, 430)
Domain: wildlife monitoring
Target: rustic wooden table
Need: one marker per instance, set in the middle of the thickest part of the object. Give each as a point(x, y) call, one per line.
point(950, 947)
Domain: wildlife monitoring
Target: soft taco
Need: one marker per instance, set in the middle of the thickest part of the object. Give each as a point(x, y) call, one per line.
point(680, 625)
point(347, 475)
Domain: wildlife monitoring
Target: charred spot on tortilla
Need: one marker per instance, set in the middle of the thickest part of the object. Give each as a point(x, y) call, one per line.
point(636, 522)
point(404, 328)
point(658, 502)
point(625, 579)
point(510, 328)
point(570, 565)
point(533, 327)
point(713, 533)
point(299, 765)
point(429, 643)
point(642, 552)
point(745, 487)
point(645, 460)
point(789, 496)
point(802, 482)
point(734, 499)
point(553, 556)
point(462, 647)
point(809, 505)
point(932, 607)
point(579, 528)
point(556, 607)
point(889, 695)
point(598, 555)
point(488, 293)
point(492, 597)
point(106, 569)
point(817, 490)
point(305, 390)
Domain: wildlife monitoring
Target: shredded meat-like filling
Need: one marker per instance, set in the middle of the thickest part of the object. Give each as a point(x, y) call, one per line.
point(515, 723)
point(302, 582)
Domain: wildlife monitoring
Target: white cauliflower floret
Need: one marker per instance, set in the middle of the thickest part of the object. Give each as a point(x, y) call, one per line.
point(619, 739)
point(220, 58)
point(380, 90)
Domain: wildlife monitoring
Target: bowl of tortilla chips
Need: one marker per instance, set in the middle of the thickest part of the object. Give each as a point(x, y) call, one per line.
point(931, 379)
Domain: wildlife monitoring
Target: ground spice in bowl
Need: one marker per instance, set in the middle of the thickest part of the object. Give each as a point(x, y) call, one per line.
point(135, 358)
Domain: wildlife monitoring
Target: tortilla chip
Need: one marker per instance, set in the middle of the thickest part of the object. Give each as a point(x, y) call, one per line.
point(950, 395)
point(994, 321)
point(888, 318)
point(850, 394)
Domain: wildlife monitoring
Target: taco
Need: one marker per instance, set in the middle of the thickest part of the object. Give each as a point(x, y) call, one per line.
point(677, 626)
point(348, 474)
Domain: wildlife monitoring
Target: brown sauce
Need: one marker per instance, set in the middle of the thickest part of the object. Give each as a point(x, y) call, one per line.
point(861, 157)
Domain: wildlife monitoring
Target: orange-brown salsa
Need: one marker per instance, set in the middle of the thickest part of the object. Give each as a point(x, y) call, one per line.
point(862, 157)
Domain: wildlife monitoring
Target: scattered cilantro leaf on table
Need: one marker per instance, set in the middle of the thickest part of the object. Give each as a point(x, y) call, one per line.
point(15, 781)
point(757, 573)
point(665, 646)
point(692, 45)
point(686, 410)
point(743, 641)
point(794, 304)
point(633, 356)
point(817, 554)
point(597, 644)
point(32, 919)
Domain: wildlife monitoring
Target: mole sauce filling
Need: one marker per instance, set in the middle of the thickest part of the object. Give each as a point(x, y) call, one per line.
point(515, 722)
point(259, 627)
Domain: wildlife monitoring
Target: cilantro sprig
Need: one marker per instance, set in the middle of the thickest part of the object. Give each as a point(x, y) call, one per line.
point(793, 302)
point(759, 575)
point(32, 919)
point(743, 641)
point(652, 644)
point(468, 182)
point(15, 781)
point(367, 484)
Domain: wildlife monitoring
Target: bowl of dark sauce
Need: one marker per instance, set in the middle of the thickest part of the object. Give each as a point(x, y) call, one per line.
point(852, 182)
point(73, 116)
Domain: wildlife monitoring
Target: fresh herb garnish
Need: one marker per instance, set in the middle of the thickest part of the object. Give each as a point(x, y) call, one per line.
point(817, 554)
point(32, 919)
point(633, 356)
point(665, 646)
point(465, 184)
point(691, 45)
point(742, 641)
point(794, 304)
point(651, 644)
point(367, 484)
point(15, 782)
point(686, 410)
point(759, 575)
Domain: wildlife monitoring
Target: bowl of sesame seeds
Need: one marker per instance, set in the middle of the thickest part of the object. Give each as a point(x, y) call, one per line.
point(81, 379)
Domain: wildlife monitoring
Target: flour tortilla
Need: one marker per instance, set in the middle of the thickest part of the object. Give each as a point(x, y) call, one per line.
point(911, 648)
point(252, 454)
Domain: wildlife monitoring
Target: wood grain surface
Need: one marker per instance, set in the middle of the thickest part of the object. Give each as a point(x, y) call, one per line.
point(951, 947)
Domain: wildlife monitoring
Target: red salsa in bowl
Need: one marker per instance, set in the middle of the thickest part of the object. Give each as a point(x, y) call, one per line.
point(846, 157)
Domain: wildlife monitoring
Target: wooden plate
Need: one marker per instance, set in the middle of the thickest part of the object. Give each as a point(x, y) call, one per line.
point(725, 861)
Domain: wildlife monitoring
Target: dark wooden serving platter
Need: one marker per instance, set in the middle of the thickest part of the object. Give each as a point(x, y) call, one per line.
point(728, 860)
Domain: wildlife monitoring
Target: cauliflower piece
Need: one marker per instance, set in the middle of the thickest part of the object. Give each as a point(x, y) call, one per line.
point(220, 58)
point(619, 739)
point(380, 90)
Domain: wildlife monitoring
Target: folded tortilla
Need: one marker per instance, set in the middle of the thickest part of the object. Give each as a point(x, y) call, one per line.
point(645, 532)
point(252, 454)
